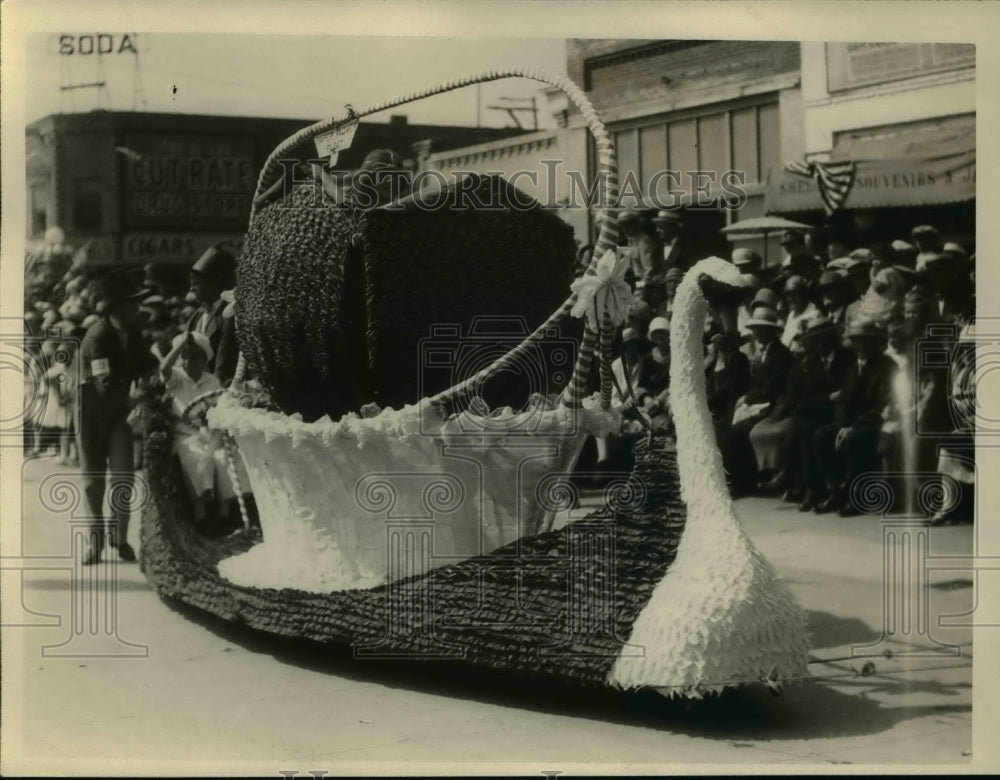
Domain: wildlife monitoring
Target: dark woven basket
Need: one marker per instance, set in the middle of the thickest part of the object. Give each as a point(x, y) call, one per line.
point(333, 303)
point(513, 610)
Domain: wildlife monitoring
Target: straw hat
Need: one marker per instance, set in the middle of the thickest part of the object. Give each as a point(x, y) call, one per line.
point(764, 318)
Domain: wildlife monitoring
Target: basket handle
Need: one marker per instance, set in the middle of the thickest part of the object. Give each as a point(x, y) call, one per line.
point(607, 239)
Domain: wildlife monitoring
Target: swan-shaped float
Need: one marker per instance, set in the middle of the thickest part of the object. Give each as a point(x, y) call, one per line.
point(428, 532)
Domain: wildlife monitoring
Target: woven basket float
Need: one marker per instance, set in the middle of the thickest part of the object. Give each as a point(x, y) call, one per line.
point(427, 531)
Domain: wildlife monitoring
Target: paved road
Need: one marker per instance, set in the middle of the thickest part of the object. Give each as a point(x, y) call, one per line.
point(197, 692)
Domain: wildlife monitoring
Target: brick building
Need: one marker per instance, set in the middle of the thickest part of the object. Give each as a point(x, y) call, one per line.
point(146, 187)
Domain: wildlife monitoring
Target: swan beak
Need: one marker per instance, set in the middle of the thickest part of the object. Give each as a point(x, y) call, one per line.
point(726, 316)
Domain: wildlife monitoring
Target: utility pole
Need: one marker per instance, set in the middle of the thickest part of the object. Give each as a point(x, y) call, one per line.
point(514, 105)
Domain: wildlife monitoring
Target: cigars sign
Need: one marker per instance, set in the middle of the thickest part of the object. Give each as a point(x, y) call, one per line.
point(187, 181)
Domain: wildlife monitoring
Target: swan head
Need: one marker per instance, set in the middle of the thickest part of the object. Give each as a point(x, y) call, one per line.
point(722, 286)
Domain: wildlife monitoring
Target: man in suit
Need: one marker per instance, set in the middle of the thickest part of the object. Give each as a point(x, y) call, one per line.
point(769, 370)
point(213, 273)
point(821, 375)
point(847, 447)
point(668, 226)
point(112, 357)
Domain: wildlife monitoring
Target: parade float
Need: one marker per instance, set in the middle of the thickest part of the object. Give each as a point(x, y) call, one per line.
point(409, 471)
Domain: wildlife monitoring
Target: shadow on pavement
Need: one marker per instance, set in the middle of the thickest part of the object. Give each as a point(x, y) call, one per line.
point(806, 710)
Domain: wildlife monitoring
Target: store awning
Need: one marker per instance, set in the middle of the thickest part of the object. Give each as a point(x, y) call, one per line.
point(904, 181)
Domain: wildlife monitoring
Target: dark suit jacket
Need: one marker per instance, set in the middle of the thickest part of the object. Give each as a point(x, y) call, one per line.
point(769, 377)
point(108, 367)
point(810, 395)
point(866, 393)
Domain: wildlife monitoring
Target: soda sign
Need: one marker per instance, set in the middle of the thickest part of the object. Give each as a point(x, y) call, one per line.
point(87, 44)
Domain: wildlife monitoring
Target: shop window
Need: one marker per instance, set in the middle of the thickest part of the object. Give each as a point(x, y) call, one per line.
point(87, 204)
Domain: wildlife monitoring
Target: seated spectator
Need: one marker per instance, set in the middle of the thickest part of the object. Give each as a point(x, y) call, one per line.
point(847, 448)
point(835, 294)
point(193, 445)
point(727, 379)
point(654, 375)
point(626, 392)
point(813, 392)
point(764, 298)
point(642, 248)
point(799, 308)
point(768, 378)
point(928, 244)
point(671, 279)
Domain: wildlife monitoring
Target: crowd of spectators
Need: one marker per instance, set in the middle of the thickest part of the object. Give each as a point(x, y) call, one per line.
point(848, 363)
point(95, 340)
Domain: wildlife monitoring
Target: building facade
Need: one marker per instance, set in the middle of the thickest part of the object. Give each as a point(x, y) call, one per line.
point(905, 114)
point(141, 188)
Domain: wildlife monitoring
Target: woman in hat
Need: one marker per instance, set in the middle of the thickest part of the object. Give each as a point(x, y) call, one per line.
point(184, 375)
point(768, 380)
point(884, 299)
point(654, 374)
point(799, 311)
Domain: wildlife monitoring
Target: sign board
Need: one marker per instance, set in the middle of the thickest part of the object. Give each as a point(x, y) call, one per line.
point(851, 65)
point(332, 143)
point(894, 182)
point(97, 44)
point(187, 181)
point(173, 247)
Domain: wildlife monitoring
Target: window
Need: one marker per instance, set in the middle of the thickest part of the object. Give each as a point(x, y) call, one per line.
point(744, 138)
point(87, 204)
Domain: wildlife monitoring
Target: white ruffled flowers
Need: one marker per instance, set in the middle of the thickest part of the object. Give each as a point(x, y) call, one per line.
point(603, 293)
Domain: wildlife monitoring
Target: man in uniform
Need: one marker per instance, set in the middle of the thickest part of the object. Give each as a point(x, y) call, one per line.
point(112, 357)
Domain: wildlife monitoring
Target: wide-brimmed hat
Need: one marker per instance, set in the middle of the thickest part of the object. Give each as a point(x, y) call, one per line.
point(764, 317)
point(923, 231)
point(765, 297)
point(839, 264)
point(942, 261)
point(862, 254)
point(864, 327)
point(665, 216)
point(744, 256)
point(830, 279)
point(658, 323)
point(154, 301)
point(904, 247)
point(199, 338)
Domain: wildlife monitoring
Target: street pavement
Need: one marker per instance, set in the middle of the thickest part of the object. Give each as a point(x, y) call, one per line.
point(151, 687)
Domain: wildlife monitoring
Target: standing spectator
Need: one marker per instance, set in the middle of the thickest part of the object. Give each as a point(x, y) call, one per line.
point(213, 273)
point(928, 244)
point(836, 251)
point(951, 288)
point(645, 256)
point(768, 378)
point(792, 242)
point(847, 448)
point(671, 280)
point(112, 357)
point(668, 226)
point(800, 310)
